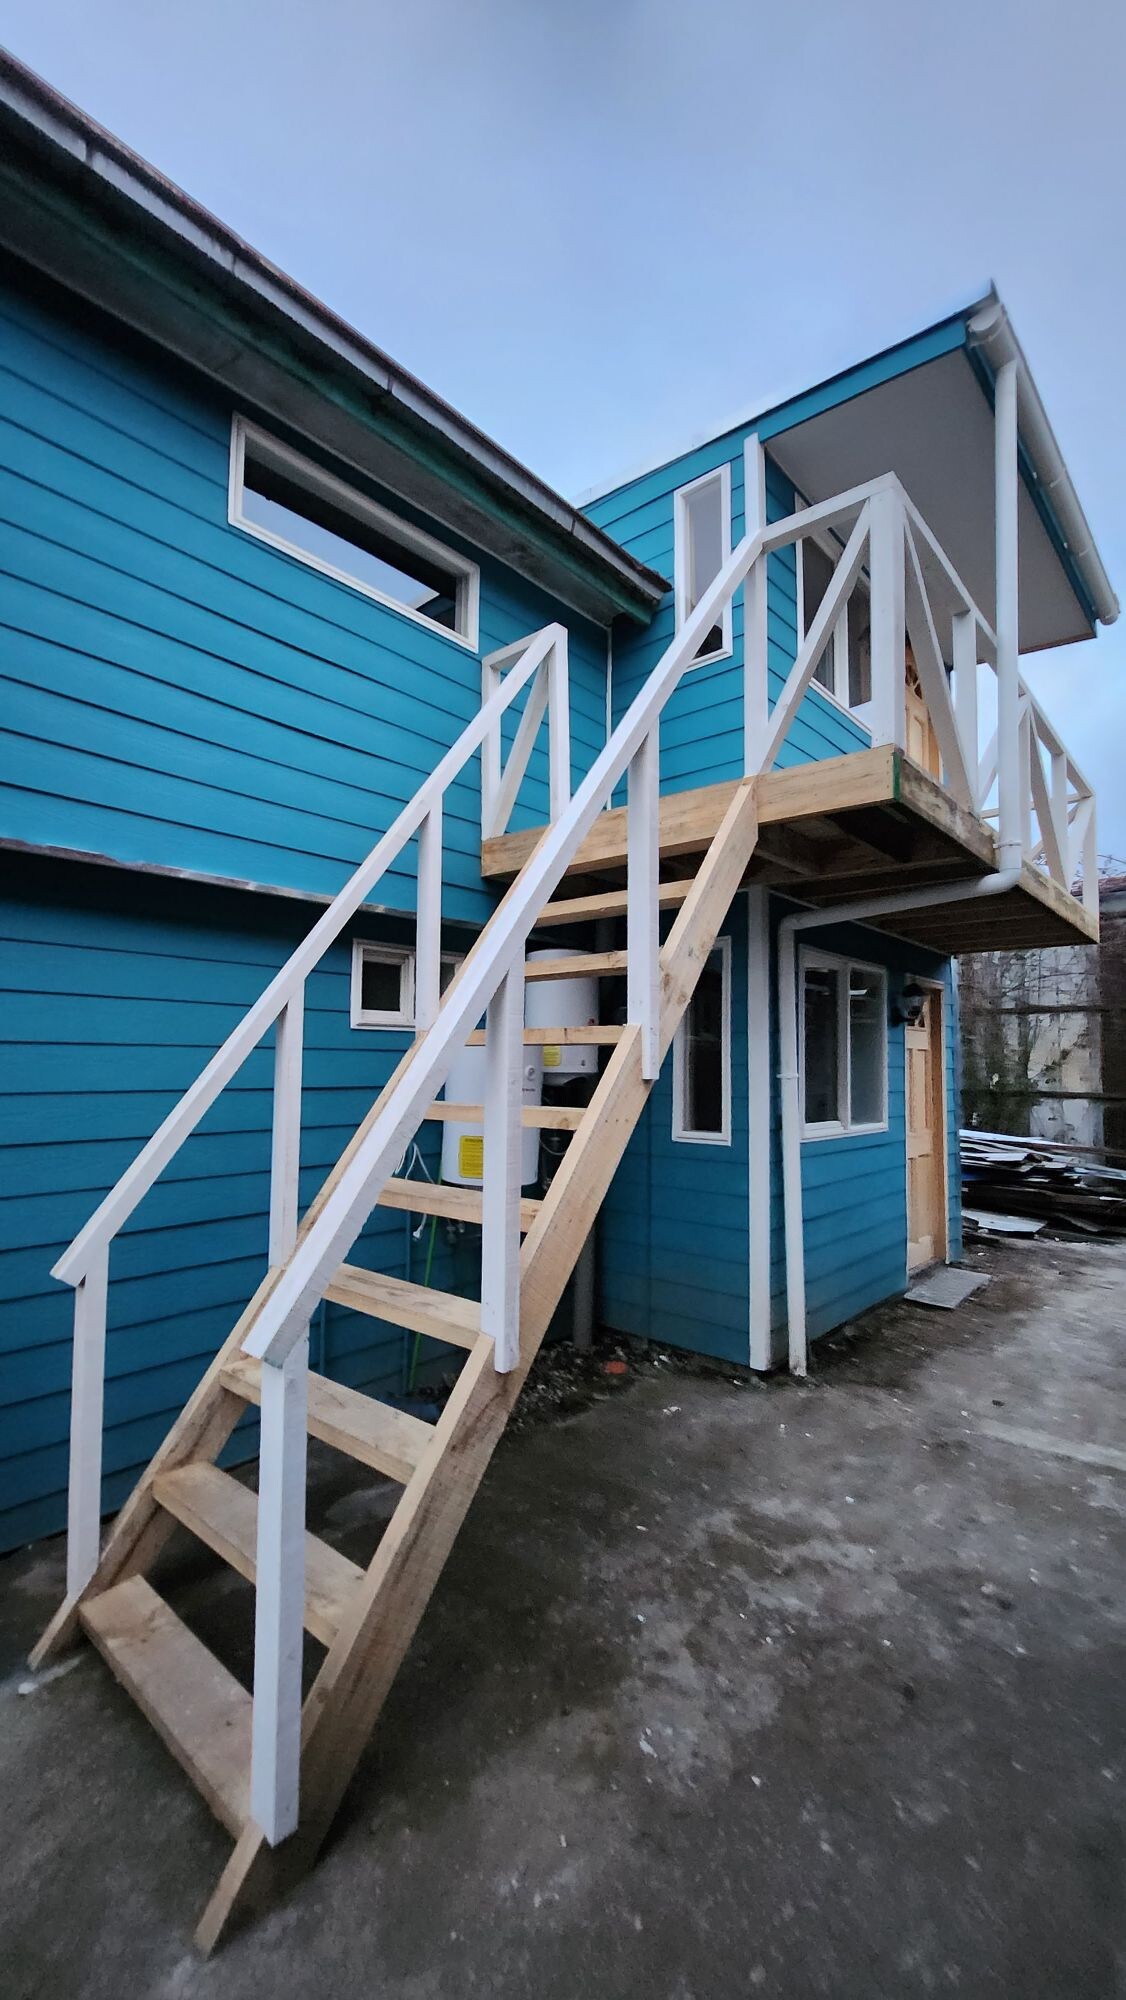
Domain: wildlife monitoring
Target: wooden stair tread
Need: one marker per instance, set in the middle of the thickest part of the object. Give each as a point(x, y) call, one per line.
point(223, 1513)
point(199, 1710)
point(591, 965)
point(538, 1038)
point(607, 903)
point(442, 1315)
point(539, 1117)
point(459, 1204)
point(391, 1441)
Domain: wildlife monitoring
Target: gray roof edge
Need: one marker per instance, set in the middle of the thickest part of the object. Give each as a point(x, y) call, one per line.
point(65, 129)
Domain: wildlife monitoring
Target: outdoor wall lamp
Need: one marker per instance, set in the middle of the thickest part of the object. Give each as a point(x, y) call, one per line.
point(907, 1011)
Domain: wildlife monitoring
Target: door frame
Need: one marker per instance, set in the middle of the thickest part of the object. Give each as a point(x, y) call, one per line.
point(937, 990)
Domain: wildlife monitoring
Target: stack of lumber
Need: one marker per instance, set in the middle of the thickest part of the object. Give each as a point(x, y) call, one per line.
point(1069, 1187)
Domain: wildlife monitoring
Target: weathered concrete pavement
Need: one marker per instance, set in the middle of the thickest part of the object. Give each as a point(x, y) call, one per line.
point(729, 1689)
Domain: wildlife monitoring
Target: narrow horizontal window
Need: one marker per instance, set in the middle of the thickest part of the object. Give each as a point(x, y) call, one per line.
point(843, 1046)
point(702, 538)
point(286, 500)
point(702, 1056)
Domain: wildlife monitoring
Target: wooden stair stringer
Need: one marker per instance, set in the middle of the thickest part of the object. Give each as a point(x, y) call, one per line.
point(359, 1668)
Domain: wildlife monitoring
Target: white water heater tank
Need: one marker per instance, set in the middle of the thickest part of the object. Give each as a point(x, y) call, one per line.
point(563, 1003)
point(463, 1146)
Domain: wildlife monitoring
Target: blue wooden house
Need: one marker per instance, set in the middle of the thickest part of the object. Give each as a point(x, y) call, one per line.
point(331, 735)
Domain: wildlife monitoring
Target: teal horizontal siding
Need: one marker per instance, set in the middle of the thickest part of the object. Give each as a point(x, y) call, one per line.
point(673, 1230)
point(114, 995)
point(173, 691)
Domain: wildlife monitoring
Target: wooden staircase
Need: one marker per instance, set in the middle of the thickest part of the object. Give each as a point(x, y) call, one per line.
point(365, 1618)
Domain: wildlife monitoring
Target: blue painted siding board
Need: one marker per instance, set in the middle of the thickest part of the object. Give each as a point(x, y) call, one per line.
point(188, 696)
point(107, 1037)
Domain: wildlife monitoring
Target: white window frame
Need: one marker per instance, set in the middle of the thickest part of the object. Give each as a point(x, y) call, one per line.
point(680, 1129)
point(681, 566)
point(304, 472)
point(837, 1128)
point(401, 955)
point(837, 648)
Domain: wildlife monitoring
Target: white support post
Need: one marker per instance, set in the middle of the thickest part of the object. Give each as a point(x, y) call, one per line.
point(643, 856)
point(491, 677)
point(1026, 745)
point(500, 1194)
point(965, 698)
point(279, 1609)
point(1058, 805)
point(758, 1123)
point(756, 692)
point(428, 920)
point(789, 1077)
point(88, 1373)
point(558, 724)
point(285, 1155)
point(886, 583)
point(1010, 785)
point(1090, 862)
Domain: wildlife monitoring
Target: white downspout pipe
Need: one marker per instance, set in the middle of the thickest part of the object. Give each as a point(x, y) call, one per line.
point(802, 920)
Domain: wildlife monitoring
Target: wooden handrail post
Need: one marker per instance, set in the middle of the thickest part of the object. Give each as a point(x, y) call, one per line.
point(886, 574)
point(285, 1152)
point(279, 1606)
point(643, 855)
point(428, 920)
point(558, 724)
point(87, 1392)
point(500, 1194)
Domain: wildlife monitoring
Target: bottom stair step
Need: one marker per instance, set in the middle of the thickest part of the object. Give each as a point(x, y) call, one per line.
point(224, 1514)
point(198, 1709)
point(389, 1440)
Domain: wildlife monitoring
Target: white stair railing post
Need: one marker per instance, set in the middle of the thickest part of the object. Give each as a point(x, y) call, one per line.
point(500, 1193)
point(285, 1150)
point(558, 724)
point(643, 855)
point(965, 698)
point(428, 920)
point(87, 1390)
point(888, 632)
point(756, 690)
point(279, 1606)
point(1090, 848)
point(1012, 783)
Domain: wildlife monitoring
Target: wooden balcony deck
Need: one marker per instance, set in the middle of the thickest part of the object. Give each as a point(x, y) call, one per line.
point(838, 831)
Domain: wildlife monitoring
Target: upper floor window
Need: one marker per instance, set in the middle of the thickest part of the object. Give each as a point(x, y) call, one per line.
point(701, 1073)
point(843, 1046)
point(702, 544)
point(286, 500)
point(845, 667)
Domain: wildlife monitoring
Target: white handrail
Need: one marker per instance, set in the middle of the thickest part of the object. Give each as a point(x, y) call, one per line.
point(181, 1121)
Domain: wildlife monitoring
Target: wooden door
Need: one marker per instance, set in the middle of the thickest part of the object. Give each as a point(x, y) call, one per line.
point(920, 741)
point(926, 1139)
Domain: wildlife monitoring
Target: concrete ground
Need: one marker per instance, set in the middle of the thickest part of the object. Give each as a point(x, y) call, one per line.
point(729, 1688)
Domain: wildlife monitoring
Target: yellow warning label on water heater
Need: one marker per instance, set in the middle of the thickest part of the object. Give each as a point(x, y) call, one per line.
point(552, 1055)
point(471, 1156)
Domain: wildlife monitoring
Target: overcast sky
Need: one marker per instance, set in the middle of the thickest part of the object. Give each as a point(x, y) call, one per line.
point(599, 227)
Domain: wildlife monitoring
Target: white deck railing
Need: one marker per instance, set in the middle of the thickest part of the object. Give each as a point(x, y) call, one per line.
point(913, 591)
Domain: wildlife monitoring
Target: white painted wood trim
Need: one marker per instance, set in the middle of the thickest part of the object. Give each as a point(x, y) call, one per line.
point(932, 676)
point(720, 474)
point(87, 1389)
point(816, 640)
point(643, 859)
point(756, 683)
point(964, 643)
point(365, 950)
point(285, 1150)
point(558, 725)
point(279, 1604)
point(428, 920)
point(810, 958)
point(885, 569)
point(758, 1125)
point(500, 1194)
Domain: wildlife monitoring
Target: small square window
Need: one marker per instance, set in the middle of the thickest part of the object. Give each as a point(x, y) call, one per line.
point(382, 985)
point(702, 544)
point(702, 1057)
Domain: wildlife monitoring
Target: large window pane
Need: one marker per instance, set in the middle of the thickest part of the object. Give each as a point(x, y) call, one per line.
point(866, 1016)
point(703, 1052)
point(822, 1045)
point(817, 572)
